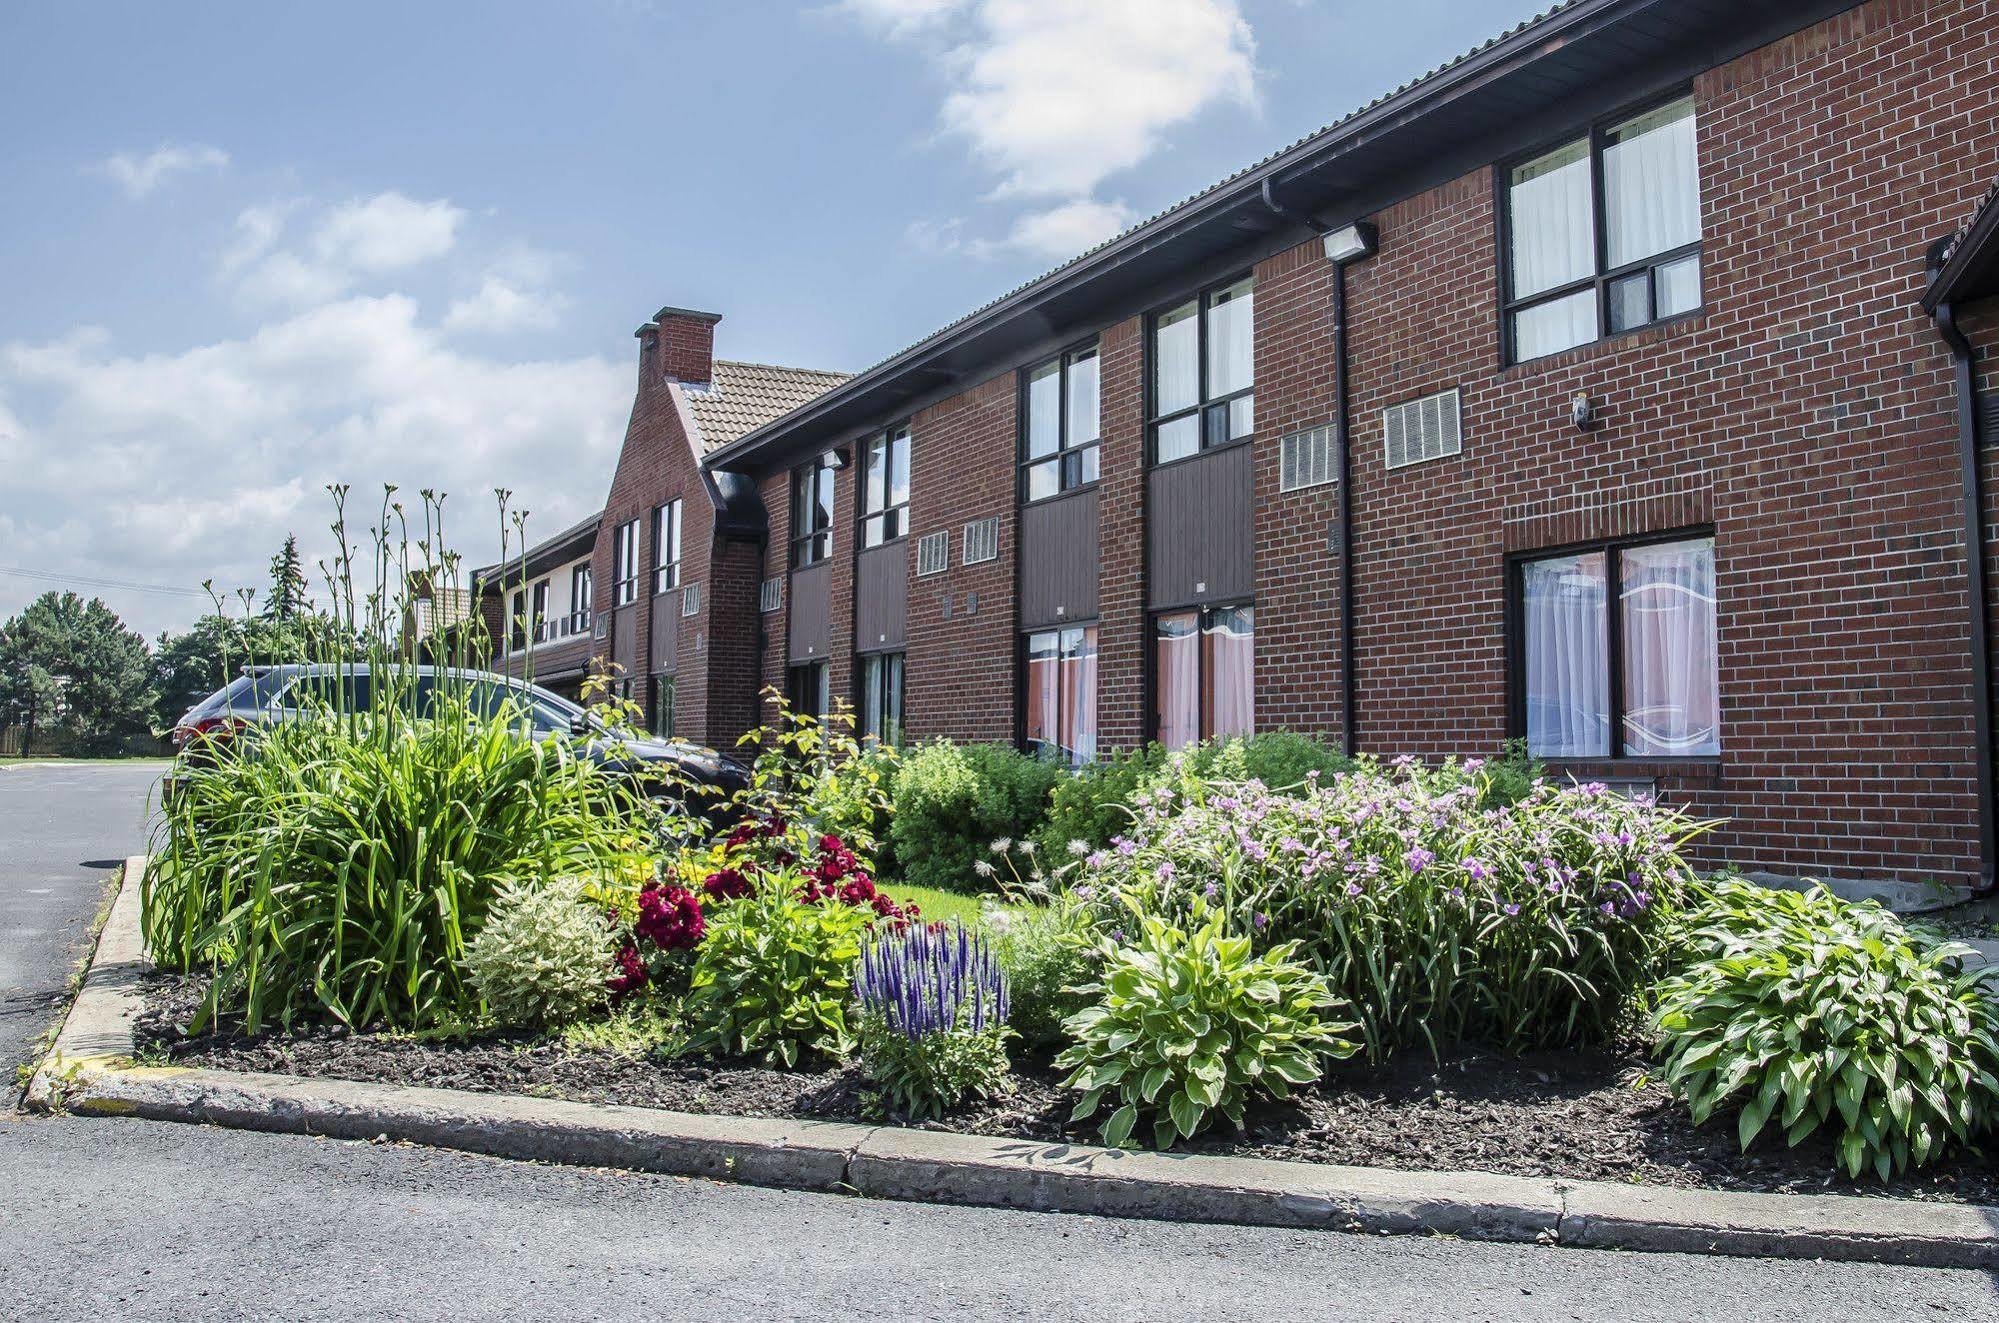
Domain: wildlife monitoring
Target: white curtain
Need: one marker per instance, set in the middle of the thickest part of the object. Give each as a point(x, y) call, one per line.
point(1079, 694)
point(1179, 679)
point(1232, 340)
point(1044, 410)
point(1084, 424)
point(1567, 656)
point(1549, 218)
point(1671, 677)
point(1177, 353)
point(1651, 184)
point(1551, 327)
point(1228, 647)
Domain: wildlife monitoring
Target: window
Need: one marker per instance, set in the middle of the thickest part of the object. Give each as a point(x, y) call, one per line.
point(1645, 672)
point(809, 688)
point(538, 611)
point(812, 512)
point(1061, 701)
point(517, 620)
point(625, 563)
point(581, 594)
point(1059, 425)
point(659, 708)
point(1204, 372)
point(884, 488)
point(881, 696)
point(1604, 233)
point(666, 546)
point(1205, 677)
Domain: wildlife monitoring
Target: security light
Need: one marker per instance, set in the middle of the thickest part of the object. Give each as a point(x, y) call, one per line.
point(1351, 243)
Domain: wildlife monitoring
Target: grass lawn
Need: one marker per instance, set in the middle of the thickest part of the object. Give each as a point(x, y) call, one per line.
point(935, 904)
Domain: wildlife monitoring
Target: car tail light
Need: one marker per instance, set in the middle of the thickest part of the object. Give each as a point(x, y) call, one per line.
point(214, 728)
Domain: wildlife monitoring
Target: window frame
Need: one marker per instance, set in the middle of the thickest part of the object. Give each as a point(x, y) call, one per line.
point(661, 686)
point(582, 589)
point(625, 563)
point(805, 547)
point(1022, 651)
point(891, 514)
point(1203, 298)
point(538, 611)
point(820, 673)
point(901, 691)
point(1200, 611)
point(1060, 456)
point(666, 528)
point(1516, 642)
point(1593, 133)
point(517, 619)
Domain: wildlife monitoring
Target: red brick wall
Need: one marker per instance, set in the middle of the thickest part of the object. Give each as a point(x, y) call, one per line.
point(961, 670)
point(775, 488)
point(1121, 629)
point(1807, 413)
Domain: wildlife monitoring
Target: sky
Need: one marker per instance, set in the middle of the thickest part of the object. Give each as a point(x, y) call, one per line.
point(248, 250)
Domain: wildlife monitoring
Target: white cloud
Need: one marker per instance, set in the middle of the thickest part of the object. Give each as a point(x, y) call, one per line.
point(140, 175)
point(181, 466)
point(1055, 97)
point(363, 237)
point(500, 305)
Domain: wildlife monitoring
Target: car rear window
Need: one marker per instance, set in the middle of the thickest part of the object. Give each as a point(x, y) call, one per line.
point(243, 692)
point(343, 693)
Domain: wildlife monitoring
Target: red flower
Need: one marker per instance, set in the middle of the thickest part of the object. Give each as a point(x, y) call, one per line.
point(727, 884)
point(631, 975)
point(669, 918)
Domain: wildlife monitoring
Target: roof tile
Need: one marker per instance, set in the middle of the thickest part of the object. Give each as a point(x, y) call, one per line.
point(745, 396)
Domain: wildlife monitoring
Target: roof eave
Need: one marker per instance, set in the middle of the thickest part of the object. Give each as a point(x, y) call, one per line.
point(1972, 270)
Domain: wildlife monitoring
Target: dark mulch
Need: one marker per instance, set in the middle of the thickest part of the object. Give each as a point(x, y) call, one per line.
point(1579, 1115)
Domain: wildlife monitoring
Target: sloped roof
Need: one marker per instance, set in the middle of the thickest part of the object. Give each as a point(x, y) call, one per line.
point(745, 396)
point(1967, 264)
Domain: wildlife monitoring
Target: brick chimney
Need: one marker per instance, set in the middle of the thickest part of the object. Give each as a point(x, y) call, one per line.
point(679, 345)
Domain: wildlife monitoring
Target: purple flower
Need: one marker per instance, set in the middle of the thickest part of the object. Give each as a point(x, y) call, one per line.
point(1166, 871)
point(1261, 921)
point(1418, 859)
point(1477, 870)
point(1353, 888)
point(1511, 910)
point(1210, 891)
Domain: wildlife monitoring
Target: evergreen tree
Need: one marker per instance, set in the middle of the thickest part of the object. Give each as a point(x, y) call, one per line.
point(72, 666)
point(287, 601)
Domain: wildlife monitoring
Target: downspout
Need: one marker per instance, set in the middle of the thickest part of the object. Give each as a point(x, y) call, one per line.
point(1965, 359)
point(1343, 538)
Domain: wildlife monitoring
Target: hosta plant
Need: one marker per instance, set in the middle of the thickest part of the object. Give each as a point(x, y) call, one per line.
point(772, 976)
point(543, 955)
point(933, 1012)
point(1189, 1024)
point(1806, 1013)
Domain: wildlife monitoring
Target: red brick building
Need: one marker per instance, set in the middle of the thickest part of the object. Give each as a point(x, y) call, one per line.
point(1601, 389)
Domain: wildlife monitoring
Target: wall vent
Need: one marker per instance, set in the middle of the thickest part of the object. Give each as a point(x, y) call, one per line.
point(1306, 459)
point(1416, 431)
point(771, 598)
point(982, 540)
point(933, 553)
point(690, 600)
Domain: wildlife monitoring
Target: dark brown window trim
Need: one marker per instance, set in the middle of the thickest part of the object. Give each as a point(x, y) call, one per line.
point(1023, 380)
point(1148, 366)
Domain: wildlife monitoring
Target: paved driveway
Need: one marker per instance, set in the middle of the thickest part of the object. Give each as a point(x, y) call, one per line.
point(140, 1220)
point(64, 827)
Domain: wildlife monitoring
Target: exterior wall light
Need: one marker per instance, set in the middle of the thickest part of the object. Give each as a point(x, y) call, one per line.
point(1582, 411)
point(1350, 243)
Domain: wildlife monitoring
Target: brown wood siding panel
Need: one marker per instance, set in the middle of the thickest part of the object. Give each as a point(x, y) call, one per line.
point(566, 657)
point(665, 632)
point(1199, 530)
point(1058, 560)
point(624, 640)
point(881, 598)
point(809, 627)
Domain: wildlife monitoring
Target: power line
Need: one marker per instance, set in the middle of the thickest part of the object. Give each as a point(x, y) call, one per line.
point(83, 581)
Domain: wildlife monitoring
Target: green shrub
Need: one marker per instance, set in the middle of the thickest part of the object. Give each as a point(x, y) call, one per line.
point(340, 863)
point(812, 778)
point(1510, 778)
point(1808, 1014)
point(952, 801)
point(1437, 920)
point(1094, 805)
point(543, 955)
point(771, 975)
point(933, 1013)
point(1045, 952)
point(1187, 1026)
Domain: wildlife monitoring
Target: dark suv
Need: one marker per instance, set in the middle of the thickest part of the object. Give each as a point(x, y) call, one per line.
point(266, 694)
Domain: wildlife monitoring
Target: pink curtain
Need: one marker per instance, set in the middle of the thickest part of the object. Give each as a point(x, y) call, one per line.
point(1228, 656)
point(1044, 683)
point(1179, 678)
point(1079, 694)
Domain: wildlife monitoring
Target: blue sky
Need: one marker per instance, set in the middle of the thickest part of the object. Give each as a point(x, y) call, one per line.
point(249, 249)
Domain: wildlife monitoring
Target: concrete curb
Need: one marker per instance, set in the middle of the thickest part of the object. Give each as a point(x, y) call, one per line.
point(89, 1071)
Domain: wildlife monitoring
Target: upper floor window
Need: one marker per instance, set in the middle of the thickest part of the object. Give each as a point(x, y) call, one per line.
point(666, 546)
point(1604, 233)
point(1204, 372)
point(884, 487)
point(812, 512)
point(517, 620)
point(581, 605)
point(1616, 652)
point(1059, 431)
point(625, 562)
point(538, 610)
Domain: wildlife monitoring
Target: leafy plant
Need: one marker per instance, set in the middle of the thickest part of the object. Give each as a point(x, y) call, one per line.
point(953, 800)
point(1808, 1014)
point(543, 954)
point(771, 977)
point(1190, 1025)
point(1094, 805)
point(1436, 919)
point(1046, 951)
point(933, 1016)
